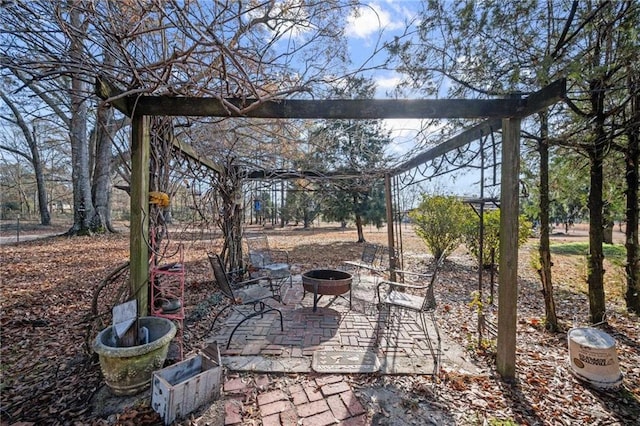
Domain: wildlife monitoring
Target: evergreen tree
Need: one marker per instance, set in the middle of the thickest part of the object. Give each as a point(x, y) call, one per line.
point(352, 148)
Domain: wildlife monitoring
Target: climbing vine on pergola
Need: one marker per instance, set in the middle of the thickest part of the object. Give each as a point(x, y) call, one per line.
point(509, 111)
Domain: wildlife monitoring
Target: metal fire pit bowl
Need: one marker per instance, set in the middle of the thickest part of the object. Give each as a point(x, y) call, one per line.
point(328, 282)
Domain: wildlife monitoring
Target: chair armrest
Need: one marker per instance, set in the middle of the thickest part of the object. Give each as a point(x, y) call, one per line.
point(235, 271)
point(353, 263)
point(393, 284)
point(373, 268)
point(414, 274)
point(252, 281)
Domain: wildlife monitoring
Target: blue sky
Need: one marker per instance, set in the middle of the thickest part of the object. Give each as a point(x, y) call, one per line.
point(367, 30)
point(375, 23)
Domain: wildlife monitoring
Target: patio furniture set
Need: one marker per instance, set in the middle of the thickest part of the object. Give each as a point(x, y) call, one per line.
point(270, 269)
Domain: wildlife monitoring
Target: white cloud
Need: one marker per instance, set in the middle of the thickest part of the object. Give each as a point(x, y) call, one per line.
point(386, 83)
point(368, 20)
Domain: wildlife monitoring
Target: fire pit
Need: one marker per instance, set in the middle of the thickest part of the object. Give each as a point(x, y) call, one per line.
point(329, 282)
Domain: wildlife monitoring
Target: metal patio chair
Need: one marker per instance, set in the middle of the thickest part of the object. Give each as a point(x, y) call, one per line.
point(266, 261)
point(243, 294)
point(367, 260)
point(418, 299)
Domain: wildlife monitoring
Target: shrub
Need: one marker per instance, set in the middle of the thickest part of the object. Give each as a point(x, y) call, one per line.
point(491, 235)
point(440, 221)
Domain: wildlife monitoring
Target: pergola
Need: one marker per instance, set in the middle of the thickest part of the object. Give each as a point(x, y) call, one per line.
point(507, 113)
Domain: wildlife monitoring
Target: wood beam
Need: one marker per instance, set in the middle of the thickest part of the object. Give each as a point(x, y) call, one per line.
point(508, 264)
point(139, 235)
point(186, 150)
point(107, 92)
point(545, 97)
point(468, 136)
point(329, 109)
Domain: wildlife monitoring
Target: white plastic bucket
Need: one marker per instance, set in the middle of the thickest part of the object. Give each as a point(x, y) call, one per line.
point(593, 358)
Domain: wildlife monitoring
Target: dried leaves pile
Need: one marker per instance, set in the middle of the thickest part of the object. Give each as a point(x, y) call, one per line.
point(49, 374)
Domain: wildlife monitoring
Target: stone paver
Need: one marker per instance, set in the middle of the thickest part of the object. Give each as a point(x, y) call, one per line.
point(292, 406)
point(320, 419)
point(298, 395)
point(313, 392)
point(326, 380)
point(269, 397)
point(272, 420)
point(275, 407)
point(289, 418)
point(334, 388)
point(356, 421)
point(311, 408)
point(232, 412)
point(337, 407)
point(351, 401)
point(235, 385)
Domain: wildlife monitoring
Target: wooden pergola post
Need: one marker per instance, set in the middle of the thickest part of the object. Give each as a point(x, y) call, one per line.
point(508, 265)
point(138, 241)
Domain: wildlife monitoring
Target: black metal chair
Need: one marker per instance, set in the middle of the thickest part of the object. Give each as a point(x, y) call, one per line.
point(266, 261)
point(367, 260)
point(415, 298)
point(244, 293)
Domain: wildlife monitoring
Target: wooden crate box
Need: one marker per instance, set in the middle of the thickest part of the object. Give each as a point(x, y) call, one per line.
point(181, 388)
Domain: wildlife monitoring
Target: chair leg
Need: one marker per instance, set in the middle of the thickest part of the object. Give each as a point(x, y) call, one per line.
point(435, 352)
point(435, 326)
point(255, 314)
point(216, 318)
point(388, 315)
point(280, 313)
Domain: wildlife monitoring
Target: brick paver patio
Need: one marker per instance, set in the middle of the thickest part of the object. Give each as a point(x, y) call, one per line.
point(260, 346)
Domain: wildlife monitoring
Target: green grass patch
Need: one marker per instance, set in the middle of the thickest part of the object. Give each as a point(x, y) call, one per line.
point(615, 253)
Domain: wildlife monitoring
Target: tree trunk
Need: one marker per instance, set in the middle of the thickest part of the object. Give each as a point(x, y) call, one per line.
point(359, 227)
point(595, 259)
point(38, 169)
point(83, 210)
point(595, 275)
point(104, 131)
point(45, 217)
point(230, 191)
point(306, 218)
point(632, 164)
point(607, 232)
point(34, 158)
point(101, 188)
point(551, 322)
point(361, 238)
